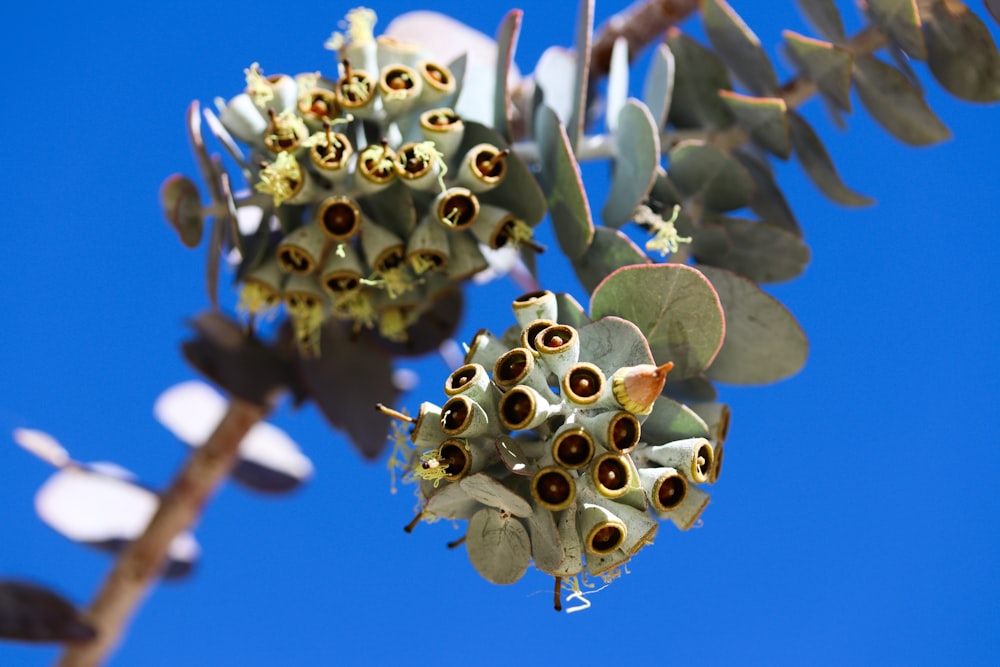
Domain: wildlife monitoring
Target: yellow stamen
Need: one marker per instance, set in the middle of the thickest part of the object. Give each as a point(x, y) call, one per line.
point(257, 86)
point(666, 239)
point(280, 178)
point(256, 298)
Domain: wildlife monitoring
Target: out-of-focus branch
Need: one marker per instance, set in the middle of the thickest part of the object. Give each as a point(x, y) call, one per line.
point(139, 566)
point(640, 23)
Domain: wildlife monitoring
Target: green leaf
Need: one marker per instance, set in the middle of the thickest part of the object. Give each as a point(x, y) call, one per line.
point(519, 191)
point(816, 161)
point(498, 546)
point(570, 311)
point(961, 53)
point(763, 253)
point(181, 204)
point(825, 17)
point(349, 377)
point(739, 48)
point(671, 421)
point(637, 156)
point(609, 251)
point(673, 305)
point(710, 175)
point(617, 86)
point(827, 65)
point(507, 35)
point(659, 86)
point(563, 187)
point(895, 104)
point(700, 75)
point(901, 19)
point(213, 260)
point(763, 341)
point(763, 118)
point(31, 613)
point(611, 343)
point(584, 36)
point(767, 202)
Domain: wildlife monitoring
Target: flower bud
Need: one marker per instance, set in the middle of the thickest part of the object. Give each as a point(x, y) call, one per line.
point(601, 532)
point(584, 386)
point(615, 430)
point(636, 387)
point(531, 331)
point(492, 226)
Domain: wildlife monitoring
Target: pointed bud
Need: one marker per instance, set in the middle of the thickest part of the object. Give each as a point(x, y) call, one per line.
point(636, 387)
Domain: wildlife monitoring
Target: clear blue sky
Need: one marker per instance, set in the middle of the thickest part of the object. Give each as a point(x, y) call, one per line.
point(855, 522)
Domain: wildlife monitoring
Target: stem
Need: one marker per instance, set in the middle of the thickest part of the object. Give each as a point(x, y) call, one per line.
point(140, 564)
point(640, 23)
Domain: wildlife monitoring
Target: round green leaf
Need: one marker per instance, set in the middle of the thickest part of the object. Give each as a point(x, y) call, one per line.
point(674, 306)
point(610, 250)
point(498, 546)
point(706, 172)
point(961, 53)
point(638, 155)
point(182, 208)
point(763, 341)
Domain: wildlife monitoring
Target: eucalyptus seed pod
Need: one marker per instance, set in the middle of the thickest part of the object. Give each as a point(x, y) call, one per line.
point(584, 386)
point(558, 348)
point(492, 226)
point(601, 531)
point(616, 477)
point(356, 93)
point(339, 218)
point(318, 105)
point(399, 87)
point(284, 92)
point(330, 155)
point(540, 305)
point(456, 208)
point(665, 488)
point(524, 408)
point(686, 513)
point(444, 128)
point(391, 51)
point(418, 165)
point(342, 270)
point(530, 333)
point(262, 288)
point(553, 488)
point(382, 249)
point(472, 381)
point(287, 182)
point(717, 416)
point(241, 118)
point(426, 431)
point(374, 168)
point(572, 446)
point(284, 133)
point(427, 248)
point(617, 431)
point(483, 167)
point(460, 458)
point(306, 304)
point(693, 457)
point(300, 251)
point(438, 82)
point(518, 367)
point(464, 418)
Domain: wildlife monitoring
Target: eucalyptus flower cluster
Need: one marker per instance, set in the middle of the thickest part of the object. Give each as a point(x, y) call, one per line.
point(542, 446)
point(373, 198)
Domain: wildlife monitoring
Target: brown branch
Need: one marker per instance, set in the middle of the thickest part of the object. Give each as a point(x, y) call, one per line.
point(139, 565)
point(640, 23)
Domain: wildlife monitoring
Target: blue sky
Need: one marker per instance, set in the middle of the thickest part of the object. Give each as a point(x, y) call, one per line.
point(855, 522)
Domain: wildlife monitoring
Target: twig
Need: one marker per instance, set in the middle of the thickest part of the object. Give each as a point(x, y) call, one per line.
point(640, 23)
point(139, 565)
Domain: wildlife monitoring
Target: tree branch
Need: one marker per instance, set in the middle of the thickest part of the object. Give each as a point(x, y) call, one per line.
point(140, 564)
point(640, 23)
